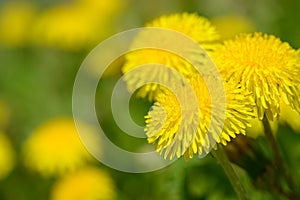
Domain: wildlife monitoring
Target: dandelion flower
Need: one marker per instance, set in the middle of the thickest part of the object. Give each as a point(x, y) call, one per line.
point(178, 130)
point(196, 27)
point(77, 25)
point(15, 23)
point(7, 156)
point(263, 66)
point(89, 183)
point(55, 148)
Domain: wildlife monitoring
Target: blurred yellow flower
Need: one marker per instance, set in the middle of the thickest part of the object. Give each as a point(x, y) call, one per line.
point(231, 25)
point(77, 25)
point(89, 183)
point(180, 130)
point(265, 67)
point(16, 23)
point(290, 117)
point(55, 148)
point(7, 156)
point(196, 27)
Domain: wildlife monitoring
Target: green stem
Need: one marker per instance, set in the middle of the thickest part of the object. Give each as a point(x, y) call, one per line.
point(278, 158)
point(220, 155)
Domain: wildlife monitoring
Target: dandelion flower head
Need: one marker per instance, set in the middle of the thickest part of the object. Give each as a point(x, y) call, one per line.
point(263, 66)
point(89, 183)
point(75, 25)
point(55, 148)
point(15, 23)
point(195, 27)
point(178, 130)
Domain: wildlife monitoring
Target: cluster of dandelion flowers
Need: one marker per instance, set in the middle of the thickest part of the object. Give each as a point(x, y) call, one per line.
point(198, 28)
point(89, 183)
point(7, 156)
point(264, 66)
point(55, 148)
point(178, 130)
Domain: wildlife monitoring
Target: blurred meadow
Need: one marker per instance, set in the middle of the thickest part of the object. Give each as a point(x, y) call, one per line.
point(42, 45)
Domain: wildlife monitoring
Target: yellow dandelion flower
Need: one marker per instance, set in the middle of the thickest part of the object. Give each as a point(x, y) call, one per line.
point(15, 23)
point(55, 148)
point(263, 66)
point(290, 117)
point(196, 27)
point(7, 156)
point(89, 183)
point(179, 130)
point(231, 25)
point(77, 25)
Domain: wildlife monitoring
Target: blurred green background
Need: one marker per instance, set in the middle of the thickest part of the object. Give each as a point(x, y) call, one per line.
point(42, 45)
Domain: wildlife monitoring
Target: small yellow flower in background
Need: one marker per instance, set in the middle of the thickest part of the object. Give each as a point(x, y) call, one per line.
point(196, 27)
point(7, 156)
point(265, 67)
point(231, 25)
point(55, 148)
point(290, 117)
point(16, 23)
point(88, 183)
point(77, 25)
point(178, 130)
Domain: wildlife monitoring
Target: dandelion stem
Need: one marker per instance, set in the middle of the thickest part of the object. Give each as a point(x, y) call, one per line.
point(279, 161)
point(222, 158)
